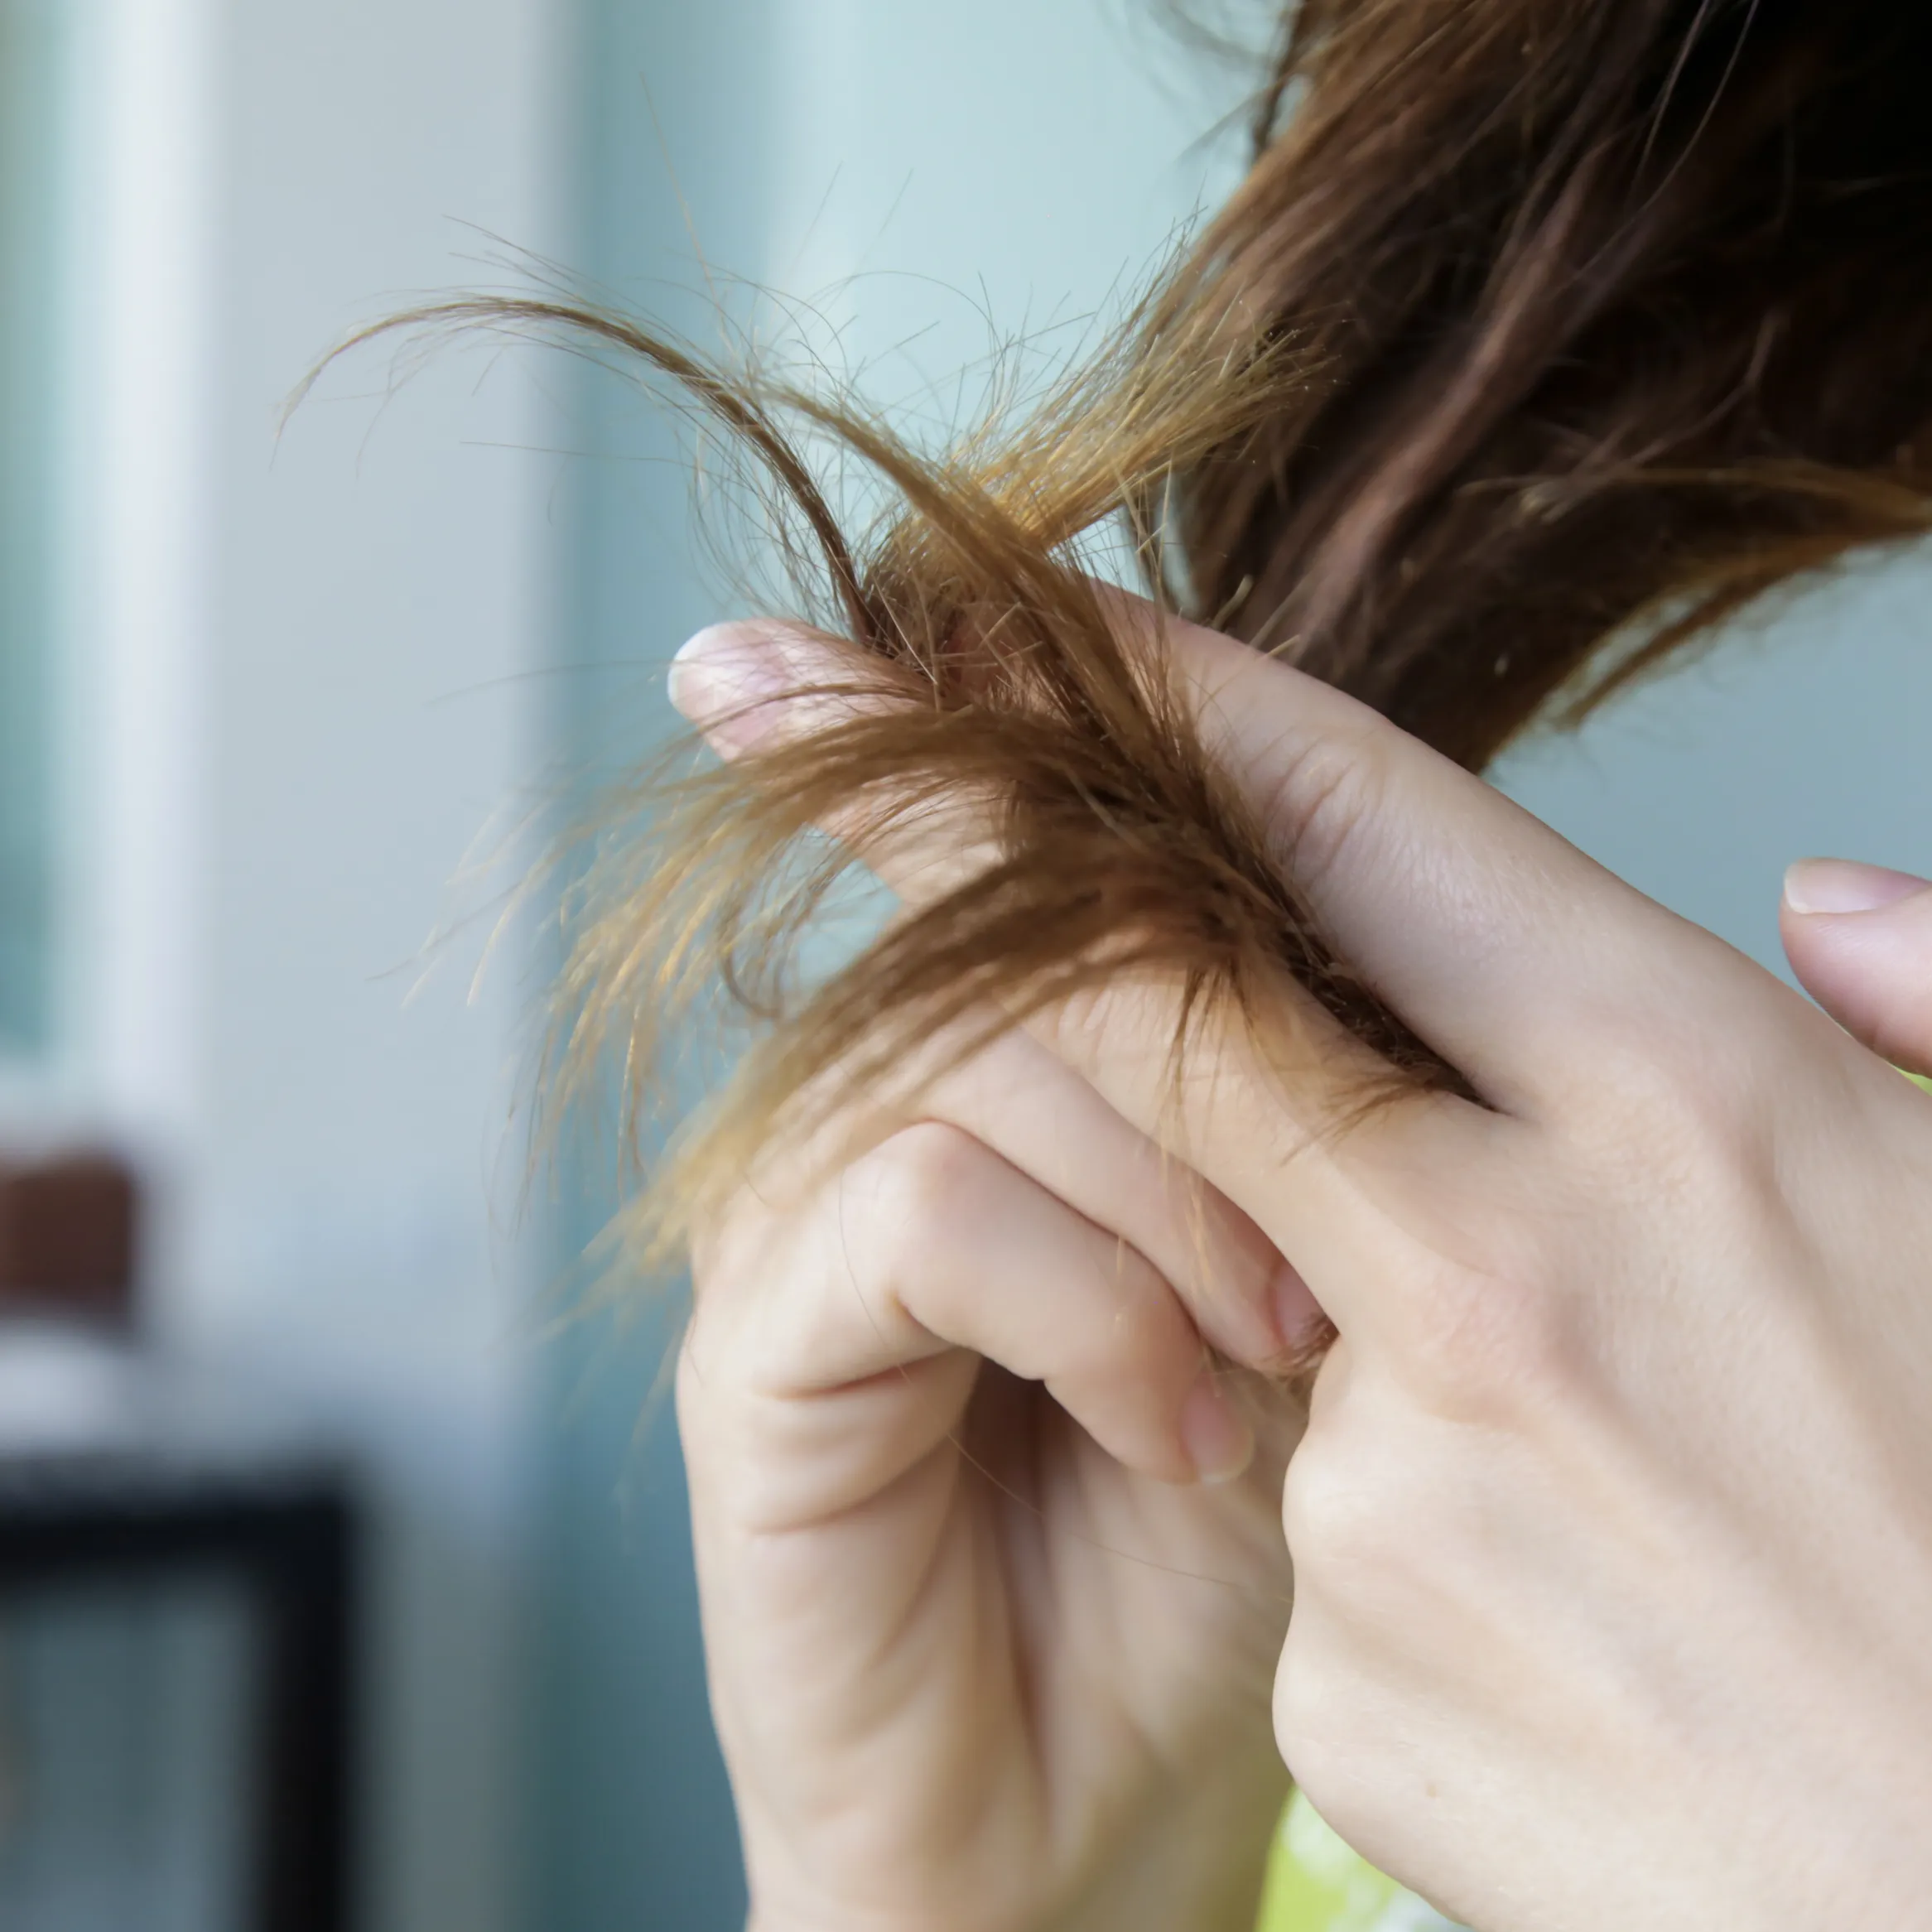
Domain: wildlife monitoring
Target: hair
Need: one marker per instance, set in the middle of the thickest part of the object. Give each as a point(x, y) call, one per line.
point(1541, 338)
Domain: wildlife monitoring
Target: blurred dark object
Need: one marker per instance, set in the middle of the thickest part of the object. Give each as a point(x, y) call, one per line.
point(288, 1540)
point(123, 1475)
point(69, 1233)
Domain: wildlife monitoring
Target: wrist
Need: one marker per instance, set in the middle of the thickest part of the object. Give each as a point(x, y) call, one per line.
point(1201, 1868)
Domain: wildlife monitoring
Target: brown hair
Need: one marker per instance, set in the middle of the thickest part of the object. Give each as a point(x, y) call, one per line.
point(1543, 335)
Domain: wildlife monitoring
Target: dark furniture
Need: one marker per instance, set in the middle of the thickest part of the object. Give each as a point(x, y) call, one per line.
point(284, 1530)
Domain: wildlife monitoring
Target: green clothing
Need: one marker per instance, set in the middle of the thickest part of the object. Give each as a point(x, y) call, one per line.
point(1316, 1884)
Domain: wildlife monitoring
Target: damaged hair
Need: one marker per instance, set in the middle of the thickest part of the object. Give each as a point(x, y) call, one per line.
point(1541, 337)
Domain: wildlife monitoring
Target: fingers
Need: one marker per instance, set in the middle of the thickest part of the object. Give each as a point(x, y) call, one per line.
point(1859, 938)
point(1236, 1167)
point(931, 1250)
point(1034, 1110)
point(743, 683)
point(1494, 937)
point(760, 686)
point(1264, 1120)
point(1296, 1125)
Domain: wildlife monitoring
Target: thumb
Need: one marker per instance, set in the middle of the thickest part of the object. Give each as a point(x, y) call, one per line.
point(1859, 938)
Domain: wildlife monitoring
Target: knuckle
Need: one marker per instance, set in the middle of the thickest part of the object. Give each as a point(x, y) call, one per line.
point(1335, 1513)
point(1302, 1730)
point(1693, 1070)
point(1341, 1780)
point(898, 1213)
point(921, 1182)
point(1324, 1736)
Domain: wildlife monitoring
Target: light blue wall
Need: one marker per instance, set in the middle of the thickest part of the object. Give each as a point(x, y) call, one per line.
point(1809, 732)
point(34, 96)
point(631, 1824)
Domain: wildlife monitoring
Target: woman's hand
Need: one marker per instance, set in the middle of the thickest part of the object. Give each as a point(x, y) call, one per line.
point(992, 1571)
point(1613, 1526)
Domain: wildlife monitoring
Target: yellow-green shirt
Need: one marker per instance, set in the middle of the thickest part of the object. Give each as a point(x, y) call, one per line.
point(1316, 1884)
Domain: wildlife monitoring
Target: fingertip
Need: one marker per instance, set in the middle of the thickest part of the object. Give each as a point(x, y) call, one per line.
point(1219, 1439)
point(1813, 886)
point(1859, 939)
point(726, 678)
point(1298, 1315)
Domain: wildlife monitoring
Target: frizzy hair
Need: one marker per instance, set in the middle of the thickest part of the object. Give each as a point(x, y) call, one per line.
point(1542, 337)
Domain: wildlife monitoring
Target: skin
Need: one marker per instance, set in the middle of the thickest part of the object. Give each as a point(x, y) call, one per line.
point(1611, 1521)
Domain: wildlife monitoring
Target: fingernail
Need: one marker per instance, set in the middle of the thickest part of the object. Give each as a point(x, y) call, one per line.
point(1218, 1440)
point(726, 680)
point(1297, 1313)
point(1842, 885)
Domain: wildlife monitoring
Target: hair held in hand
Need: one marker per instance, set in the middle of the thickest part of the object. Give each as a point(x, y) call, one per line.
point(1541, 337)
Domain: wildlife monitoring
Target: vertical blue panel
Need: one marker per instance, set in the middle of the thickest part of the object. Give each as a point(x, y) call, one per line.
point(31, 97)
point(632, 1823)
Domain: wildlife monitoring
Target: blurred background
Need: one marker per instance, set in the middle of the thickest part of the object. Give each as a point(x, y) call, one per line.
point(341, 1587)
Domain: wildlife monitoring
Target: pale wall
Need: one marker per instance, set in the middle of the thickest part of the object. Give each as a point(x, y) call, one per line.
point(300, 694)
